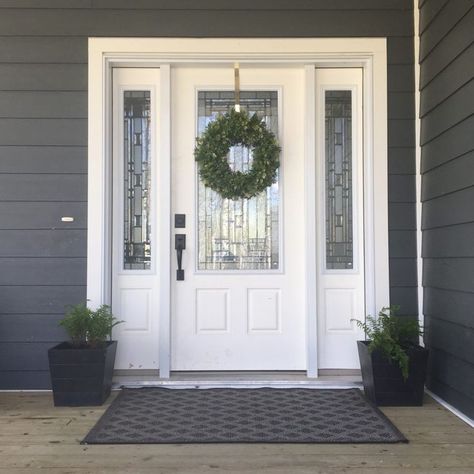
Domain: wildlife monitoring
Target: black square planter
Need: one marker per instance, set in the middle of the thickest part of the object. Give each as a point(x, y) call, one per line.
point(81, 376)
point(383, 381)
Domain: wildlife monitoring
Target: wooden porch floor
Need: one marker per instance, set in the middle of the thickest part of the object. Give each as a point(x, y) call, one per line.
point(35, 437)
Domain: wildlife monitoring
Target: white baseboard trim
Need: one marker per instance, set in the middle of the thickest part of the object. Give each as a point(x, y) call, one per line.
point(449, 407)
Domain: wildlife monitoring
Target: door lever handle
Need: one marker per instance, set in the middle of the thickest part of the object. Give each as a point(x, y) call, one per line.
point(180, 245)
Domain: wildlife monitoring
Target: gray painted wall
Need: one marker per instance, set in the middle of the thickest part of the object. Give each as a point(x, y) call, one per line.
point(43, 138)
point(447, 138)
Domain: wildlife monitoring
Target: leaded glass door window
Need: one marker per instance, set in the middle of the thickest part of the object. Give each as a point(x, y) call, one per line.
point(137, 180)
point(238, 234)
point(338, 179)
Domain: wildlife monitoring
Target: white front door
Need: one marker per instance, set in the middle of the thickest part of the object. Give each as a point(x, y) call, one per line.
point(241, 303)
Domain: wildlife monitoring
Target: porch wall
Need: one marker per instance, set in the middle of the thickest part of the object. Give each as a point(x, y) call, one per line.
point(43, 139)
point(447, 138)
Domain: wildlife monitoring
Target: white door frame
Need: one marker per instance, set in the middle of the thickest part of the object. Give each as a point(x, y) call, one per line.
point(368, 53)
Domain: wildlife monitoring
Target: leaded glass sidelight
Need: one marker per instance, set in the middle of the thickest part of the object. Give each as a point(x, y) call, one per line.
point(338, 164)
point(137, 180)
point(241, 234)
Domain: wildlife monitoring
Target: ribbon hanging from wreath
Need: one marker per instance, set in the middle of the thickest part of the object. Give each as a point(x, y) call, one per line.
point(212, 147)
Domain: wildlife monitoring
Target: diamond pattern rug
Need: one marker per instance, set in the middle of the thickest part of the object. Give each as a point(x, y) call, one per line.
point(240, 415)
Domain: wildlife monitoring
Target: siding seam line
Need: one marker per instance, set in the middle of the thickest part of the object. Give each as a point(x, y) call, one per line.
point(449, 289)
point(450, 323)
point(444, 36)
point(439, 349)
point(446, 98)
point(434, 17)
point(448, 226)
point(426, 171)
point(447, 129)
point(449, 193)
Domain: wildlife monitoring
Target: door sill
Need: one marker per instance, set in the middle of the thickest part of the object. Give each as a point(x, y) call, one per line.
point(335, 379)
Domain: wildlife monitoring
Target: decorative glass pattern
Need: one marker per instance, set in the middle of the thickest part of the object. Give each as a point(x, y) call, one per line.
point(241, 234)
point(137, 180)
point(339, 221)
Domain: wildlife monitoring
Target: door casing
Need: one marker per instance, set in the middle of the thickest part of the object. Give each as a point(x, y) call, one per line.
point(367, 53)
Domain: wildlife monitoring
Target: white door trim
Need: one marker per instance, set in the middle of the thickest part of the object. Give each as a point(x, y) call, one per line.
point(164, 348)
point(368, 53)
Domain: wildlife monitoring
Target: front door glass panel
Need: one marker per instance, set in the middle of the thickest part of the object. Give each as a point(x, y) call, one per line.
point(241, 234)
point(137, 180)
point(339, 225)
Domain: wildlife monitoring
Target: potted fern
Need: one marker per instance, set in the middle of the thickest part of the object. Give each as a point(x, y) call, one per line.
point(82, 368)
point(393, 364)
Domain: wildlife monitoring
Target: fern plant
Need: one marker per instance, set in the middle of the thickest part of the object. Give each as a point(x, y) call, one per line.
point(101, 324)
point(392, 335)
point(87, 327)
point(76, 323)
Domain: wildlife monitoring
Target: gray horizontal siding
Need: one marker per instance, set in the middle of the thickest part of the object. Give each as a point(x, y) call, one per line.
point(189, 22)
point(19, 49)
point(401, 165)
point(43, 104)
point(39, 299)
point(43, 159)
point(447, 138)
point(43, 77)
point(400, 50)
point(42, 215)
point(448, 81)
point(18, 355)
point(403, 272)
point(401, 188)
point(428, 12)
point(453, 241)
point(448, 113)
point(451, 209)
point(402, 216)
point(453, 143)
point(450, 177)
point(31, 328)
point(42, 271)
point(401, 133)
point(211, 4)
point(448, 49)
point(402, 244)
point(401, 105)
point(451, 14)
point(43, 243)
point(26, 379)
point(406, 297)
point(400, 78)
point(449, 273)
point(45, 3)
point(451, 378)
point(450, 305)
point(401, 160)
point(43, 187)
point(43, 131)
point(451, 337)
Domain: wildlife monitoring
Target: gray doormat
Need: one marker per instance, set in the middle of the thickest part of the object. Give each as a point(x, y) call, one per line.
point(239, 415)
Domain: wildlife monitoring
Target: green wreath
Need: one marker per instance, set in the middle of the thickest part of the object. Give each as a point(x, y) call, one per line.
point(230, 129)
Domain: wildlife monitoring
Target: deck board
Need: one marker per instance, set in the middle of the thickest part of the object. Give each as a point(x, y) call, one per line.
point(36, 437)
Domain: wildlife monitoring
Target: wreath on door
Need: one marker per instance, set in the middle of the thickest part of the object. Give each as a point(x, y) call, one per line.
point(212, 148)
